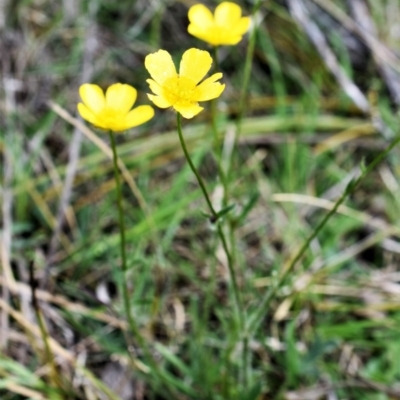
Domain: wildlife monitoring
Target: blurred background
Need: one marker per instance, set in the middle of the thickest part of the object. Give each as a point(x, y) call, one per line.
point(322, 102)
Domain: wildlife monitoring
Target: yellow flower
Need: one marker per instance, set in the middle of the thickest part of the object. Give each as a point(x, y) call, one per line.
point(181, 91)
point(112, 111)
point(225, 27)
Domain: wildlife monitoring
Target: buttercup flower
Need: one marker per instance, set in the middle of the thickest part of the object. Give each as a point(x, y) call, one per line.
point(225, 27)
point(181, 91)
point(112, 111)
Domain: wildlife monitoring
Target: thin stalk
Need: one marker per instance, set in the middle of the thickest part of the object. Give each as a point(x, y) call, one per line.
point(233, 276)
point(231, 253)
point(214, 217)
point(256, 320)
point(216, 60)
point(222, 177)
point(217, 151)
point(193, 168)
point(121, 223)
point(159, 375)
point(239, 304)
point(214, 109)
point(242, 106)
point(211, 287)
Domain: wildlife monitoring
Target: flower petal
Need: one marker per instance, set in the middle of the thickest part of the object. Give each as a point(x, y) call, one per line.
point(200, 33)
point(137, 116)
point(242, 26)
point(159, 101)
point(87, 114)
point(160, 66)
point(120, 97)
point(92, 96)
point(230, 40)
point(210, 89)
point(200, 16)
point(195, 64)
point(188, 110)
point(155, 87)
point(227, 14)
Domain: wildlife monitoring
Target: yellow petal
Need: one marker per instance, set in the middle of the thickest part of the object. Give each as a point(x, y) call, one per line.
point(200, 16)
point(227, 14)
point(87, 114)
point(188, 110)
point(208, 35)
point(160, 66)
point(230, 39)
point(92, 96)
point(154, 87)
point(210, 89)
point(242, 26)
point(195, 64)
point(159, 101)
point(137, 116)
point(120, 97)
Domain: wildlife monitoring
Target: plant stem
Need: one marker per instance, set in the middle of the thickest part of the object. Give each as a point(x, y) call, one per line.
point(214, 218)
point(125, 290)
point(192, 167)
point(214, 114)
point(223, 175)
point(227, 173)
point(157, 373)
point(216, 60)
point(232, 273)
point(256, 320)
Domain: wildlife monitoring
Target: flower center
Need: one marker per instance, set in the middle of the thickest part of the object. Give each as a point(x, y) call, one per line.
point(179, 89)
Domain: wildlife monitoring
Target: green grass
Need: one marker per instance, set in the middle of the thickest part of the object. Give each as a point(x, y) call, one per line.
point(331, 327)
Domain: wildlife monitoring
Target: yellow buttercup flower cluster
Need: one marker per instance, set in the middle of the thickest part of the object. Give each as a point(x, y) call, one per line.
point(112, 111)
point(182, 91)
point(225, 27)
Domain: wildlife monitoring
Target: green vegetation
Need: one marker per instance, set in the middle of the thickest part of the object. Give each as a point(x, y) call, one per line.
point(299, 152)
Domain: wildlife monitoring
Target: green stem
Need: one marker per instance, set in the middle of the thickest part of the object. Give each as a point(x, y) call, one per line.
point(125, 290)
point(216, 60)
point(214, 217)
point(227, 173)
point(231, 231)
point(232, 273)
point(214, 113)
point(159, 375)
point(239, 306)
point(258, 317)
point(193, 168)
point(217, 151)
point(233, 278)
